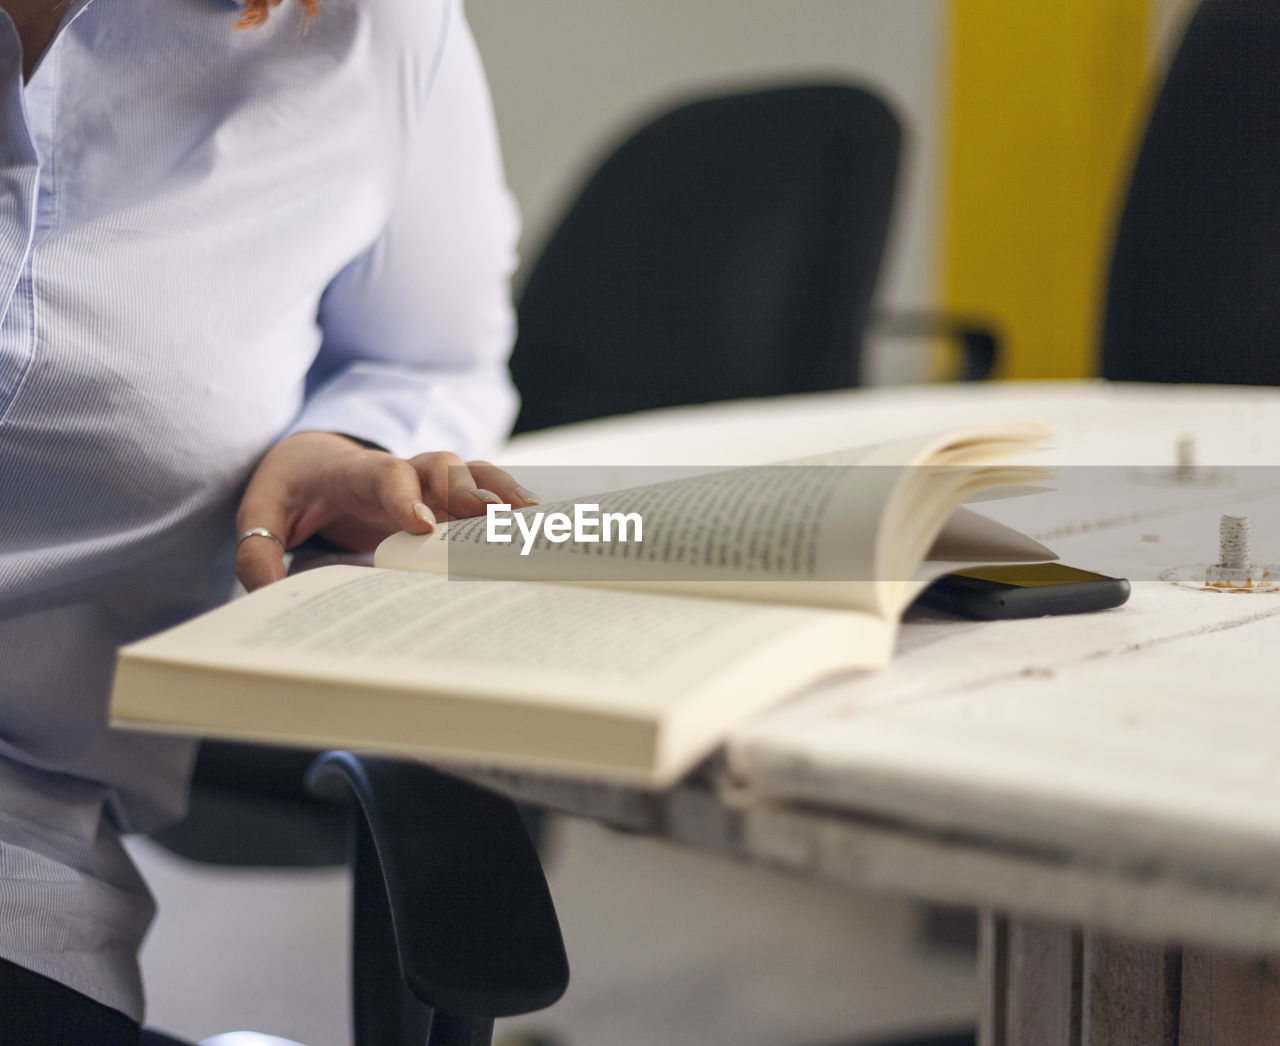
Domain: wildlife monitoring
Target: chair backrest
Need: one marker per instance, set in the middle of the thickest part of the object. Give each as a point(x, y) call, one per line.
point(729, 248)
point(1194, 287)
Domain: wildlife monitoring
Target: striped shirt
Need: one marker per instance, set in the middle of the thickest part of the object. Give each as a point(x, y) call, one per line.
point(208, 239)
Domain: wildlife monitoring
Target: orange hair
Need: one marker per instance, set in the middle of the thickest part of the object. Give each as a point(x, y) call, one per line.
point(256, 11)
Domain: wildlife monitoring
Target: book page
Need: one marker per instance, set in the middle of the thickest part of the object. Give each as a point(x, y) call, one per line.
point(543, 642)
point(807, 531)
point(631, 686)
point(749, 533)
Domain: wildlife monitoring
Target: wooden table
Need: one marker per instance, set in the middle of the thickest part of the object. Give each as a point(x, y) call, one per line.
point(1106, 787)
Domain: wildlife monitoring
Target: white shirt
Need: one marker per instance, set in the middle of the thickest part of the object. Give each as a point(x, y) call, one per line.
point(208, 238)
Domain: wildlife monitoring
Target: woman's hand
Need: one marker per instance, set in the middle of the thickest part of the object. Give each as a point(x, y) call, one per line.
point(323, 483)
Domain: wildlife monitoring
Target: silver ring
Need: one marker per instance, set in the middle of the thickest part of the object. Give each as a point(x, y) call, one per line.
point(258, 532)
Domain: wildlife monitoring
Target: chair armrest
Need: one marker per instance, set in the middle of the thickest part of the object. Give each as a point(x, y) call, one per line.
point(450, 866)
point(977, 337)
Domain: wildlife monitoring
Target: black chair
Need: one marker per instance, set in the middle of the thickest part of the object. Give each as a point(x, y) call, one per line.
point(1194, 288)
point(250, 807)
point(728, 248)
point(452, 921)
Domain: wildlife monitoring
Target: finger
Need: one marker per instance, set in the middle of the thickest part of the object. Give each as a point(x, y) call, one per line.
point(489, 477)
point(259, 558)
point(398, 490)
point(449, 483)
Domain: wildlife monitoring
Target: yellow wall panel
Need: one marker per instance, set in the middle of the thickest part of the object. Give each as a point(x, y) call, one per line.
point(1045, 100)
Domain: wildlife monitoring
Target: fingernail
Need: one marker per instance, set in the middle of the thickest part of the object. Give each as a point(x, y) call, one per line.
point(487, 496)
point(528, 496)
point(424, 513)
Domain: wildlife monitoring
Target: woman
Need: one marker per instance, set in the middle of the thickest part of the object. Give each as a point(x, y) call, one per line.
point(245, 278)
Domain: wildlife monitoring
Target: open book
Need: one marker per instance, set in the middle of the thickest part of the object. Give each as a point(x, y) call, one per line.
point(625, 661)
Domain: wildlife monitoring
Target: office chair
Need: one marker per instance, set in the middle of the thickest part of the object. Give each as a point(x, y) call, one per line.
point(452, 921)
point(249, 807)
point(727, 249)
point(1193, 292)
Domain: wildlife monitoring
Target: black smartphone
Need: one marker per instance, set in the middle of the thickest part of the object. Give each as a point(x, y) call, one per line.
point(1031, 590)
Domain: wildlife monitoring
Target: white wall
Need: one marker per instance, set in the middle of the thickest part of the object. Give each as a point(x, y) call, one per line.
point(568, 76)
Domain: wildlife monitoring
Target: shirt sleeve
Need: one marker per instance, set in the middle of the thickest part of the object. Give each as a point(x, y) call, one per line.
point(416, 332)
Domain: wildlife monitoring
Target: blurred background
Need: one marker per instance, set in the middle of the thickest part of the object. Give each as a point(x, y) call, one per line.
point(1020, 123)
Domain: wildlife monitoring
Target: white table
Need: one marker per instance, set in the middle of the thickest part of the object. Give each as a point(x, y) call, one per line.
point(1107, 787)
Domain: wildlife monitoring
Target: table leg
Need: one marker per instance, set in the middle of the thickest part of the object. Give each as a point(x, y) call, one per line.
point(1053, 985)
